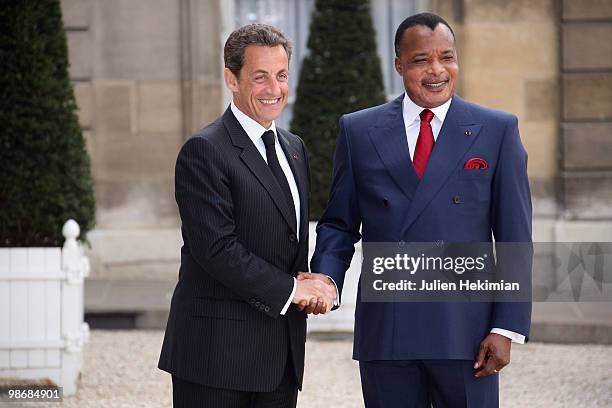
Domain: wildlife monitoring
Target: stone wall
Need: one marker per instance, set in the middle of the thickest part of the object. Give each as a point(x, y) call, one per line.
point(586, 67)
point(549, 62)
point(146, 74)
point(508, 60)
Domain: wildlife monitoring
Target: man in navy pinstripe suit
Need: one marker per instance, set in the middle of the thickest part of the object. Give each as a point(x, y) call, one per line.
point(237, 326)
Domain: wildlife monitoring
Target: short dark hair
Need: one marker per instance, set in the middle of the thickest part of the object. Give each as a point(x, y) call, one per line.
point(251, 34)
point(426, 19)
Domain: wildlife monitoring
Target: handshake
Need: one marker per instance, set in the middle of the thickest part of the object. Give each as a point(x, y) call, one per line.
point(315, 293)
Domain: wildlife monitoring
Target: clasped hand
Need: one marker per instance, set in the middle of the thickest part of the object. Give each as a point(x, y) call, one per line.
point(315, 293)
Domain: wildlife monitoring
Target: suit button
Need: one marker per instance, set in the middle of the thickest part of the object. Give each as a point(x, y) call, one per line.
point(385, 202)
point(257, 303)
point(252, 301)
point(292, 238)
point(261, 307)
point(456, 199)
point(267, 309)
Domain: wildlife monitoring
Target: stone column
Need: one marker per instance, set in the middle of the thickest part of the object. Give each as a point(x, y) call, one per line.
point(586, 67)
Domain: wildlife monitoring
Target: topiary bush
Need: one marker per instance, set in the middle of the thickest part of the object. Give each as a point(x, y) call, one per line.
point(45, 174)
point(340, 74)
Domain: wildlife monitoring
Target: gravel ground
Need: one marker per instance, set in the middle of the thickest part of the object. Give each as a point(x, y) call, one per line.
point(120, 372)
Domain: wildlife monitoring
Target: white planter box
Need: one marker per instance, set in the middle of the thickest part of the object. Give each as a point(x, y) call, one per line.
point(41, 311)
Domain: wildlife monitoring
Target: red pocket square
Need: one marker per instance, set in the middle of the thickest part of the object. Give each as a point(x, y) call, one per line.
point(476, 163)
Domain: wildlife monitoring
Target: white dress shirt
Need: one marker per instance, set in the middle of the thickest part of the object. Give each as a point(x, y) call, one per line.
point(412, 122)
point(255, 132)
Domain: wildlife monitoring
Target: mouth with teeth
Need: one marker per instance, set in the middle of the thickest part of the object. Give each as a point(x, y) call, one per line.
point(270, 101)
point(435, 86)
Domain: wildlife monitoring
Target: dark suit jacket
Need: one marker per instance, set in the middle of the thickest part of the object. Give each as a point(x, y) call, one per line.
point(239, 255)
point(375, 187)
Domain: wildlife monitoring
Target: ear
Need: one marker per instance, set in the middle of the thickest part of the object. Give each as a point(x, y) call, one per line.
point(398, 65)
point(231, 81)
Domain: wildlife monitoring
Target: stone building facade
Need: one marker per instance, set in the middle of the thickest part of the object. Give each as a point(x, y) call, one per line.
point(148, 73)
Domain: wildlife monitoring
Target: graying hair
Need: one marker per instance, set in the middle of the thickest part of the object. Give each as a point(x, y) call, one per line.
point(252, 34)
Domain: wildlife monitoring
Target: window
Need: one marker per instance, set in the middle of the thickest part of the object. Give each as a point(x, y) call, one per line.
point(387, 16)
point(292, 17)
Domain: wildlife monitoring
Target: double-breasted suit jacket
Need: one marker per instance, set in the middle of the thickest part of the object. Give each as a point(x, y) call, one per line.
point(377, 196)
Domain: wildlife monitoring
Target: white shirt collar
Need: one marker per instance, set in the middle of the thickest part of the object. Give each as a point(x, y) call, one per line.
point(412, 111)
point(253, 129)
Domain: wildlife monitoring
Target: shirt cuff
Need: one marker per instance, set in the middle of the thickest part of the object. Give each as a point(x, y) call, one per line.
point(284, 309)
point(337, 299)
point(515, 337)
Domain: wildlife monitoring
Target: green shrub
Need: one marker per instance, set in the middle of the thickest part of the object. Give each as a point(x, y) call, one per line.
point(341, 74)
point(44, 168)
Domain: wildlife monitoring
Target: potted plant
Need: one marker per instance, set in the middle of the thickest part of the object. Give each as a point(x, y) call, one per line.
point(45, 180)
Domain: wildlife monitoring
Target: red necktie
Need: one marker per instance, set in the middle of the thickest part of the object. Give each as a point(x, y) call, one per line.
point(425, 143)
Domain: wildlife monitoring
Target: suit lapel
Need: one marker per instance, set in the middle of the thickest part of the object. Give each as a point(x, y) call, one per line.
point(257, 165)
point(297, 163)
point(457, 135)
point(298, 168)
point(389, 139)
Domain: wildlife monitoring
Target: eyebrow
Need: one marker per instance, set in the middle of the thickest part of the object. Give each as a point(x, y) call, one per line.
point(262, 71)
point(419, 54)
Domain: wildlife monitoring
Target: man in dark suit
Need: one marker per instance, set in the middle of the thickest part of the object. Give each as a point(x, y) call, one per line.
point(236, 332)
point(428, 167)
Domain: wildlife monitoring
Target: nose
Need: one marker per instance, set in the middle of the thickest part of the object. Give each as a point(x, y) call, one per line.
point(436, 67)
point(274, 86)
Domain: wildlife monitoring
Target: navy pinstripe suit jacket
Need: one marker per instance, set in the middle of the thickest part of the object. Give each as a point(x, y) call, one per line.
point(239, 255)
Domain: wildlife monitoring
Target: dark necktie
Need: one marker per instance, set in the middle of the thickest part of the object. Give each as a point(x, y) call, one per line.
point(269, 141)
point(425, 143)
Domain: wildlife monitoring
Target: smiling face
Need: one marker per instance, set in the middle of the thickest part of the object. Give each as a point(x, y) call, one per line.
point(261, 89)
point(428, 64)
